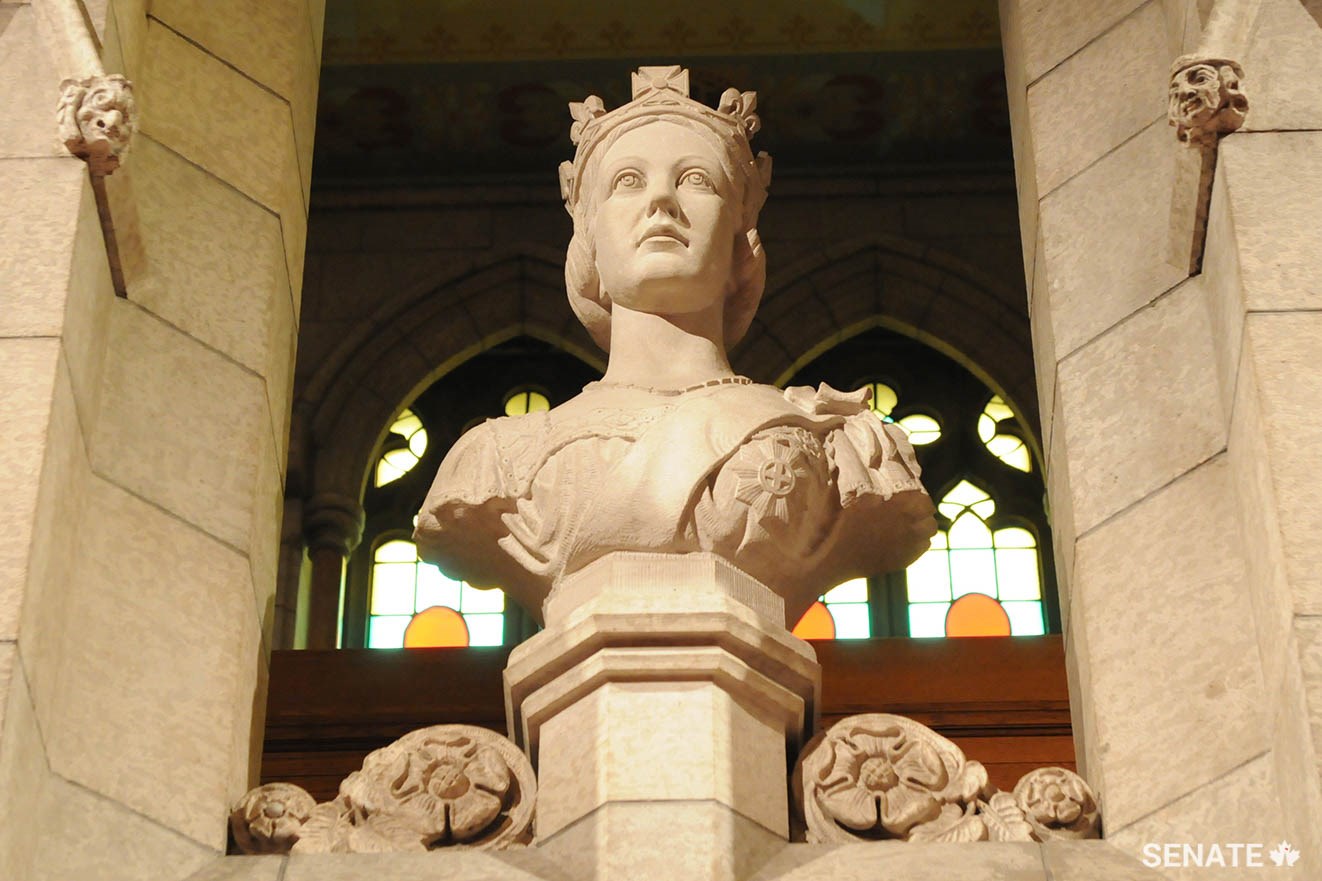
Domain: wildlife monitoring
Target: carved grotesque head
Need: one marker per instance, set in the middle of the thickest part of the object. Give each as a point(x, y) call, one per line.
point(95, 117)
point(1205, 98)
point(720, 136)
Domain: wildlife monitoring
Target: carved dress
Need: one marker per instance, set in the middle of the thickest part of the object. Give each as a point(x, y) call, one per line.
point(791, 487)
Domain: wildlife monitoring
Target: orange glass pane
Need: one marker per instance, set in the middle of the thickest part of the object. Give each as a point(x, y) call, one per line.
point(437, 626)
point(976, 614)
point(816, 623)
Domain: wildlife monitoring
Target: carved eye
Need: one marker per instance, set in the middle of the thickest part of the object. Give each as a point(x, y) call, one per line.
point(627, 180)
point(696, 178)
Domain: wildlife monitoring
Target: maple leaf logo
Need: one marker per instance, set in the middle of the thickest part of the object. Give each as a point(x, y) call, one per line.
point(1283, 854)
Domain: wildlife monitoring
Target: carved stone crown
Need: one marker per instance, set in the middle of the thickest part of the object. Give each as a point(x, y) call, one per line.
point(664, 91)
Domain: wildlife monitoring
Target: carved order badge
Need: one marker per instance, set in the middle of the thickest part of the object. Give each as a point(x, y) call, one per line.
point(436, 787)
point(879, 776)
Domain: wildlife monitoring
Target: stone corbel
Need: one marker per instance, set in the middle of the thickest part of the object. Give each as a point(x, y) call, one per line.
point(1206, 103)
point(96, 115)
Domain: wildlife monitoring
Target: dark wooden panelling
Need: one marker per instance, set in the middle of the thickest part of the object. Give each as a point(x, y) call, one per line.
point(1004, 701)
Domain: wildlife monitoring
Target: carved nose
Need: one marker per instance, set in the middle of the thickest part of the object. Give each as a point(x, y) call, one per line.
point(662, 200)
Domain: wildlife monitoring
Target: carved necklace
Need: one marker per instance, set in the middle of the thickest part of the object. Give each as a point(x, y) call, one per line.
point(672, 392)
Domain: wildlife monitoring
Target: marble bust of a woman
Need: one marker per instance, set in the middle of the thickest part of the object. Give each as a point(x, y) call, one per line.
point(671, 452)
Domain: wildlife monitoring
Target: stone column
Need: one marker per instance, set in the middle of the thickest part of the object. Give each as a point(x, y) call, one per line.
point(333, 525)
point(662, 706)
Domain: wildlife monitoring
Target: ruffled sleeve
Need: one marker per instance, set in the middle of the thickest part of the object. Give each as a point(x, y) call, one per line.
point(469, 486)
point(872, 457)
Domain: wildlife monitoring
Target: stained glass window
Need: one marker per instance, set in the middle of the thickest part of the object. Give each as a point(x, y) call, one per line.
point(406, 441)
point(1009, 448)
point(404, 589)
point(523, 401)
point(970, 558)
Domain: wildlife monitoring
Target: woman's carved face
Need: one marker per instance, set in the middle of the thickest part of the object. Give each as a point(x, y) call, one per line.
point(665, 222)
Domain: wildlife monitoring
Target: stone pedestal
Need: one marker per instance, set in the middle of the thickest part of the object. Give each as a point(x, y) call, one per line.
point(667, 687)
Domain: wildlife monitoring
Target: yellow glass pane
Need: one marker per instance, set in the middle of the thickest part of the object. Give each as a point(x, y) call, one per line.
point(851, 620)
point(406, 424)
point(474, 600)
point(927, 619)
point(392, 588)
point(983, 509)
point(397, 551)
point(884, 399)
point(922, 429)
point(1025, 619)
point(973, 571)
point(997, 409)
point(1016, 574)
point(435, 588)
point(386, 473)
point(418, 442)
point(521, 403)
point(1020, 459)
point(968, 531)
point(939, 540)
point(486, 628)
point(929, 577)
point(854, 590)
point(986, 428)
point(1014, 537)
point(964, 494)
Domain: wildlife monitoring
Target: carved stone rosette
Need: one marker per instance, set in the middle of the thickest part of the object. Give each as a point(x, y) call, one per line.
point(879, 776)
point(1206, 100)
point(447, 785)
point(268, 818)
point(97, 118)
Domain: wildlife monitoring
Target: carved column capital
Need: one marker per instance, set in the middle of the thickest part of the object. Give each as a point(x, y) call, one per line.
point(333, 521)
point(97, 118)
point(1206, 99)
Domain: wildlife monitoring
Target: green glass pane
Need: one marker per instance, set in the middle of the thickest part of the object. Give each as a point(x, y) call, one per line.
point(851, 620)
point(1025, 618)
point(435, 588)
point(392, 588)
point(854, 590)
point(387, 632)
point(927, 619)
point(929, 578)
point(397, 551)
point(474, 600)
point(485, 628)
point(973, 571)
point(1016, 574)
point(968, 531)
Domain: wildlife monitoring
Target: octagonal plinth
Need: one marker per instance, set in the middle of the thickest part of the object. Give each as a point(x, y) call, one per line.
point(662, 679)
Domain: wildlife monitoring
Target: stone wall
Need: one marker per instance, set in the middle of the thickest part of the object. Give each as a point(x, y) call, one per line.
point(143, 439)
point(1179, 412)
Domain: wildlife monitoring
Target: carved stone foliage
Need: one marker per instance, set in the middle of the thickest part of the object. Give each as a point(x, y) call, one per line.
point(97, 118)
point(880, 776)
point(437, 787)
point(1206, 100)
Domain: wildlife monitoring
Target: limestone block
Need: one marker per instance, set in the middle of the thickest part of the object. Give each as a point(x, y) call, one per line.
point(1139, 406)
point(1273, 183)
point(1044, 350)
point(150, 670)
point(470, 865)
point(264, 542)
point(1281, 68)
point(1251, 468)
point(1108, 210)
point(1048, 38)
point(641, 841)
point(1062, 512)
point(1172, 712)
point(317, 13)
point(1004, 861)
point(27, 386)
point(1285, 347)
point(84, 835)
point(1122, 72)
point(1093, 861)
point(29, 80)
point(1308, 635)
point(217, 118)
point(215, 263)
point(38, 228)
point(242, 868)
point(172, 408)
point(1239, 806)
point(246, 722)
point(1294, 745)
point(270, 42)
point(22, 768)
point(1225, 294)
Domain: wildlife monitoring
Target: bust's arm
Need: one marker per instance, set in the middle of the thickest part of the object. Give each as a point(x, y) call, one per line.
point(464, 503)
